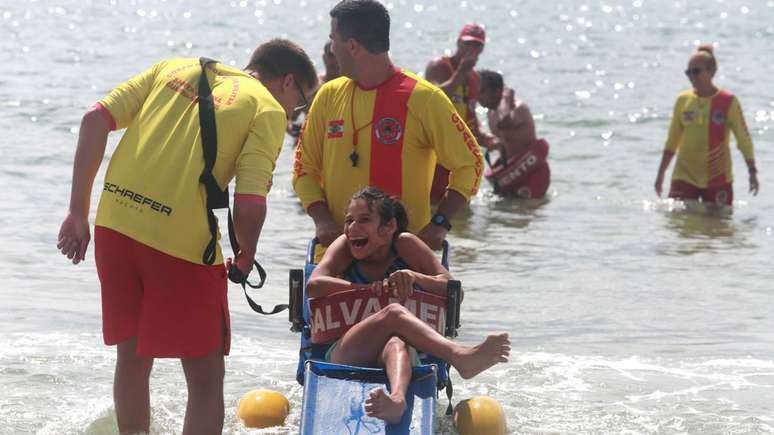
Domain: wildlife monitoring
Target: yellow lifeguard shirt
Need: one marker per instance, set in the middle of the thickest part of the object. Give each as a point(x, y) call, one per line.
point(152, 191)
point(700, 132)
point(465, 96)
point(396, 130)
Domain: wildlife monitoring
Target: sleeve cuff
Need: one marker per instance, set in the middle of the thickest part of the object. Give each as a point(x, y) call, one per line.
point(466, 193)
point(308, 191)
point(319, 201)
point(106, 114)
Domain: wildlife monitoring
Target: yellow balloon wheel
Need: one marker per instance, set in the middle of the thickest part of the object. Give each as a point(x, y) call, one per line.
point(263, 408)
point(479, 416)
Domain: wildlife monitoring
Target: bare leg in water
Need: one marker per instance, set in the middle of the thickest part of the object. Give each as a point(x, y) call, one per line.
point(366, 341)
point(131, 392)
point(204, 378)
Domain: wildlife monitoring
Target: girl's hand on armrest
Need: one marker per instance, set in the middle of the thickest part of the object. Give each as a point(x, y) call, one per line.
point(401, 284)
point(379, 287)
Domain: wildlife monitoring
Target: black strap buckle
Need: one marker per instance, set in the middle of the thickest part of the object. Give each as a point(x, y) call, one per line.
point(237, 277)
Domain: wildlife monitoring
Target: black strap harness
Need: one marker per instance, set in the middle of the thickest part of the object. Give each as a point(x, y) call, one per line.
point(218, 198)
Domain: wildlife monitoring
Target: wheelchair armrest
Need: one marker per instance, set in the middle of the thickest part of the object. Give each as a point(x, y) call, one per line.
point(296, 303)
point(453, 299)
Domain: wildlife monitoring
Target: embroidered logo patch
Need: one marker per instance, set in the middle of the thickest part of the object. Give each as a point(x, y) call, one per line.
point(718, 117)
point(335, 128)
point(689, 116)
point(388, 131)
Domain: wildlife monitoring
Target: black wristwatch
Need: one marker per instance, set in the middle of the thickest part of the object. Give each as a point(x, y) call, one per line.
point(441, 221)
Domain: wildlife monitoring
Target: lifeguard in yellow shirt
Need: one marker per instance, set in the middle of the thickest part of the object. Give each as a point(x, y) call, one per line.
point(384, 127)
point(702, 121)
point(164, 292)
point(457, 77)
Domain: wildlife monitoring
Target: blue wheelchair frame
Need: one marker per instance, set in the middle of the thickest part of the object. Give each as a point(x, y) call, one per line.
point(299, 317)
point(334, 395)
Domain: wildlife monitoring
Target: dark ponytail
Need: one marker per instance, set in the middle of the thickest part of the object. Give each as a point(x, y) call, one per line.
point(386, 207)
point(400, 216)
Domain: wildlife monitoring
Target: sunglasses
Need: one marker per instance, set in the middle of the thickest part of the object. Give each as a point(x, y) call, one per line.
point(693, 72)
point(305, 103)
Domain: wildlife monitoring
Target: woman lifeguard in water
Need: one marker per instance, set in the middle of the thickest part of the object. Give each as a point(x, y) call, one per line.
point(699, 133)
point(376, 252)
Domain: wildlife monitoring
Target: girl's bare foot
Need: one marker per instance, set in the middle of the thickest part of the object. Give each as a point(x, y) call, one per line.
point(382, 405)
point(473, 360)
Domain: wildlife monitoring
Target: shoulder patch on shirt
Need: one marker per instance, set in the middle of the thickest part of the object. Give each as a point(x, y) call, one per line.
point(335, 128)
point(689, 115)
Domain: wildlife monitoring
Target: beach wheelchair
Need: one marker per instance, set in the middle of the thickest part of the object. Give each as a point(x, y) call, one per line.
point(334, 393)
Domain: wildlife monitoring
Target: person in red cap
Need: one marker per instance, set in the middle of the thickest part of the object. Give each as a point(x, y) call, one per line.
point(457, 77)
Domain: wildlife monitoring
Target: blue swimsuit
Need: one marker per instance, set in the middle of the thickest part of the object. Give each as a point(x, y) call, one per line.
point(355, 275)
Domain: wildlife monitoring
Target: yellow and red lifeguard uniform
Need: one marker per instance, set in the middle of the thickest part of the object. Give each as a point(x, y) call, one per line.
point(399, 130)
point(152, 218)
point(152, 191)
point(699, 134)
point(464, 98)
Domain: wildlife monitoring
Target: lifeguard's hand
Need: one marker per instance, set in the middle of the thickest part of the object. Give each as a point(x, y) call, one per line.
point(466, 65)
point(754, 183)
point(243, 263)
point(658, 183)
point(327, 232)
point(401, 284)
point(468, 61)
point(492, 142)
point(74, 237)
point(433, 235)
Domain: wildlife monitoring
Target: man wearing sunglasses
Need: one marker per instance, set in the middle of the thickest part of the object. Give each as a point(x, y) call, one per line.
point(702, 121)
point(331, 72)
point(161, 297)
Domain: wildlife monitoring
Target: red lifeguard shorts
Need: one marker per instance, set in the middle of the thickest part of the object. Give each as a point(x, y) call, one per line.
point(175, 308)
point(723, 194)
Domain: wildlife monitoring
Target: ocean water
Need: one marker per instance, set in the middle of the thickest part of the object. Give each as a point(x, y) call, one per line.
point(627, 313)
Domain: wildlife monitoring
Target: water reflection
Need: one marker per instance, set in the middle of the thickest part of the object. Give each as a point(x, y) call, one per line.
point(703, 228)
point(491, 211)
point(483, 234)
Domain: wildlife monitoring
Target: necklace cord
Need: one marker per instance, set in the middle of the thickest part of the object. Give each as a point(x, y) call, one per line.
point(355, 156)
